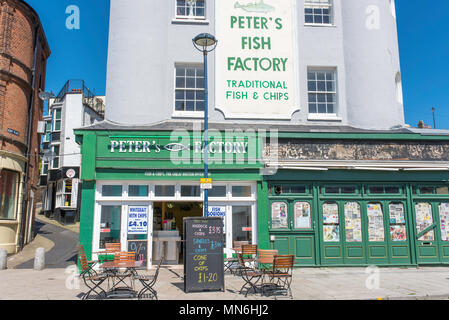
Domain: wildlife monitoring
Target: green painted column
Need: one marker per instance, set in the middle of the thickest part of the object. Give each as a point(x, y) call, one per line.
point(263, 235)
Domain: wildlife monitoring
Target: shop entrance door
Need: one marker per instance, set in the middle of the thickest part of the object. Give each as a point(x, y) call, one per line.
point(432, 233)
point(123, 222)
point(292, 229)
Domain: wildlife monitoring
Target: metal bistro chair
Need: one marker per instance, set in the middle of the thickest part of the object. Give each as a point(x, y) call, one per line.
point(249, 274)
point(148, 281)
point(265, 259)
point(280, 277)
point(231, 262)
point(111, 249)
point(91, 278)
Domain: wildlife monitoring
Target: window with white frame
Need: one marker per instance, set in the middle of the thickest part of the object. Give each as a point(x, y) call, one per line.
point(322, 90)
point(56, 120)
point(189, 88)
point(190, 9)
point(318, 11)
point(55, 162)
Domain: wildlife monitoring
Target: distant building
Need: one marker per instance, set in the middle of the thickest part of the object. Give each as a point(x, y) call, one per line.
point(23, 54)
point(75, 106)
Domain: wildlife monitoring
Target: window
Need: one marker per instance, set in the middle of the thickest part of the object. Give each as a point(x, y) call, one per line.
point(322, 91)
point(375, 222)
point(353, 222)
point(331, 223)
point(279, 215)
point(55, 162)
point(57, 120)
point(190, 191)
point(110, 223)
point(189, 88)
point(138, 191)
point(217, 191)
point(164, 191)
point(9, 185)
point(318, 11)
point(44, 167)
point(190, 9)
point(111, 191)
point(241, 191)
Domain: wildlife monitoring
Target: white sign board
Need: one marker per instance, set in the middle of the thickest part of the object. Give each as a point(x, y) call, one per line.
point(137, 219)
point(218, 211)
point(255, 58)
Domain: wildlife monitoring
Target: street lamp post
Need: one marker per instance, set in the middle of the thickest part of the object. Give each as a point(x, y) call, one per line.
point(205, 43)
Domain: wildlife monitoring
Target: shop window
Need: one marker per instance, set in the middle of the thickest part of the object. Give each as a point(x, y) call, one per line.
point(443, 209)
point(331, 190)
point(353, 222)
point(241, 223)
point(424, 220)
point(190, 191)
point(392, 190)
point(9, 184)
point(111, 191)
point(110, 222)
point(376, 231)
point(376, 190)
point(279, 214)
point(384, 189)
point(241, 191)
point(164, 191)
point(442, 190)
point(398, 229)
point(302, 215)
point(427, 190)
point(331, 224)
point(138, 191)
point(217, 191)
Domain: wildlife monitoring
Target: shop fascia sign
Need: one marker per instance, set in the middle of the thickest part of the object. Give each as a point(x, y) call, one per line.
point(146, 146)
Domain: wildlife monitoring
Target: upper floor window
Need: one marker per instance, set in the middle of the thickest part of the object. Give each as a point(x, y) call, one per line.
point(57, 120)
point(189, 88)
point(322, 91)
point(190, 9)
point(318, 11)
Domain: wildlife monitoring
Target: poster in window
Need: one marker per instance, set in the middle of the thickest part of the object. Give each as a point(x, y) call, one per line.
point(331, 228)
point(444, 221)
point(138, 220)
point(398, 231)
point(424, 220)
point(376, 231)
point(302, 215)
point(353, 222)
point(279, 213)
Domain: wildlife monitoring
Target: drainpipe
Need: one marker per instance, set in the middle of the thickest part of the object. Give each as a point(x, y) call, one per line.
point(28, 145)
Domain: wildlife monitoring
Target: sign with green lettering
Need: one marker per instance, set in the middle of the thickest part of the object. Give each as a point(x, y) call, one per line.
point(256, 71)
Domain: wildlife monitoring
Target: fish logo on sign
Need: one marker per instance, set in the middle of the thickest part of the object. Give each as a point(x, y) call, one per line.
point(259, 7)
point(175, 147)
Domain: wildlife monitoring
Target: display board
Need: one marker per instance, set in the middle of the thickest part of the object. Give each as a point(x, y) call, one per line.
point(140, 247)
point(203, 254)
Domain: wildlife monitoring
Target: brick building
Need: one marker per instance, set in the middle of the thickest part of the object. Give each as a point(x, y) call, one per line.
point(23, 54)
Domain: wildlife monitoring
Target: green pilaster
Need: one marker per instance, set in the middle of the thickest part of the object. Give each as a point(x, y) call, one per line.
point(87, 216)
point(263, 215)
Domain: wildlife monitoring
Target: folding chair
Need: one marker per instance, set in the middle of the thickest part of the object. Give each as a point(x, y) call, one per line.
point(280, 277)
point(91, 278)
point(249, 274)
point(110, 250)
point(232, 261)
point(148, 283)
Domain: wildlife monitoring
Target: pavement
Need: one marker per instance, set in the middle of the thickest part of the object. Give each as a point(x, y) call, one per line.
point(59, 280)
point(425, 283)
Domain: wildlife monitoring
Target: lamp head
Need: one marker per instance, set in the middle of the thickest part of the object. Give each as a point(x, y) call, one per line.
point(204, 41)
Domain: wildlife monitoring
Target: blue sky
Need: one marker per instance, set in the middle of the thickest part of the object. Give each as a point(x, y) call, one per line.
point(423, 43)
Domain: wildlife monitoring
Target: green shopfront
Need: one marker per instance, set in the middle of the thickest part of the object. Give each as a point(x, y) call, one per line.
point(139, 185)
point(331, 199)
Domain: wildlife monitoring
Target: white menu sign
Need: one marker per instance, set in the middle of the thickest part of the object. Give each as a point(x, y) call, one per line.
point(255, 58)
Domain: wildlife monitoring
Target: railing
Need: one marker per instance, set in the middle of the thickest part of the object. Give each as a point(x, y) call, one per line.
point(89, 98)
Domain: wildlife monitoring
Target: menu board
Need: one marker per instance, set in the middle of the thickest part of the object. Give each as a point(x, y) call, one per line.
point(302, 215)
point(424, 220)
point(140, 247)
point(444, 221)
point(279, 213)
point(353, 222)
point(398, 231)
point(203, 254)
point(331, 228)
point(376, 231)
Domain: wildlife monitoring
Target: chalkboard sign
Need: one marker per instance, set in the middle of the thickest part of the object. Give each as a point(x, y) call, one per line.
point(203, 254)
point(140, 247)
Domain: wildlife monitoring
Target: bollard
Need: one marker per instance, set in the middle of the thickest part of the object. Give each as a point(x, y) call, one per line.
point(39, 259)
point(3, 259)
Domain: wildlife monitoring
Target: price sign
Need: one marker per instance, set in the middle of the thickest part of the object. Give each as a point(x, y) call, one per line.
point(137, 220)
point(206, 183)
point(203, 258)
